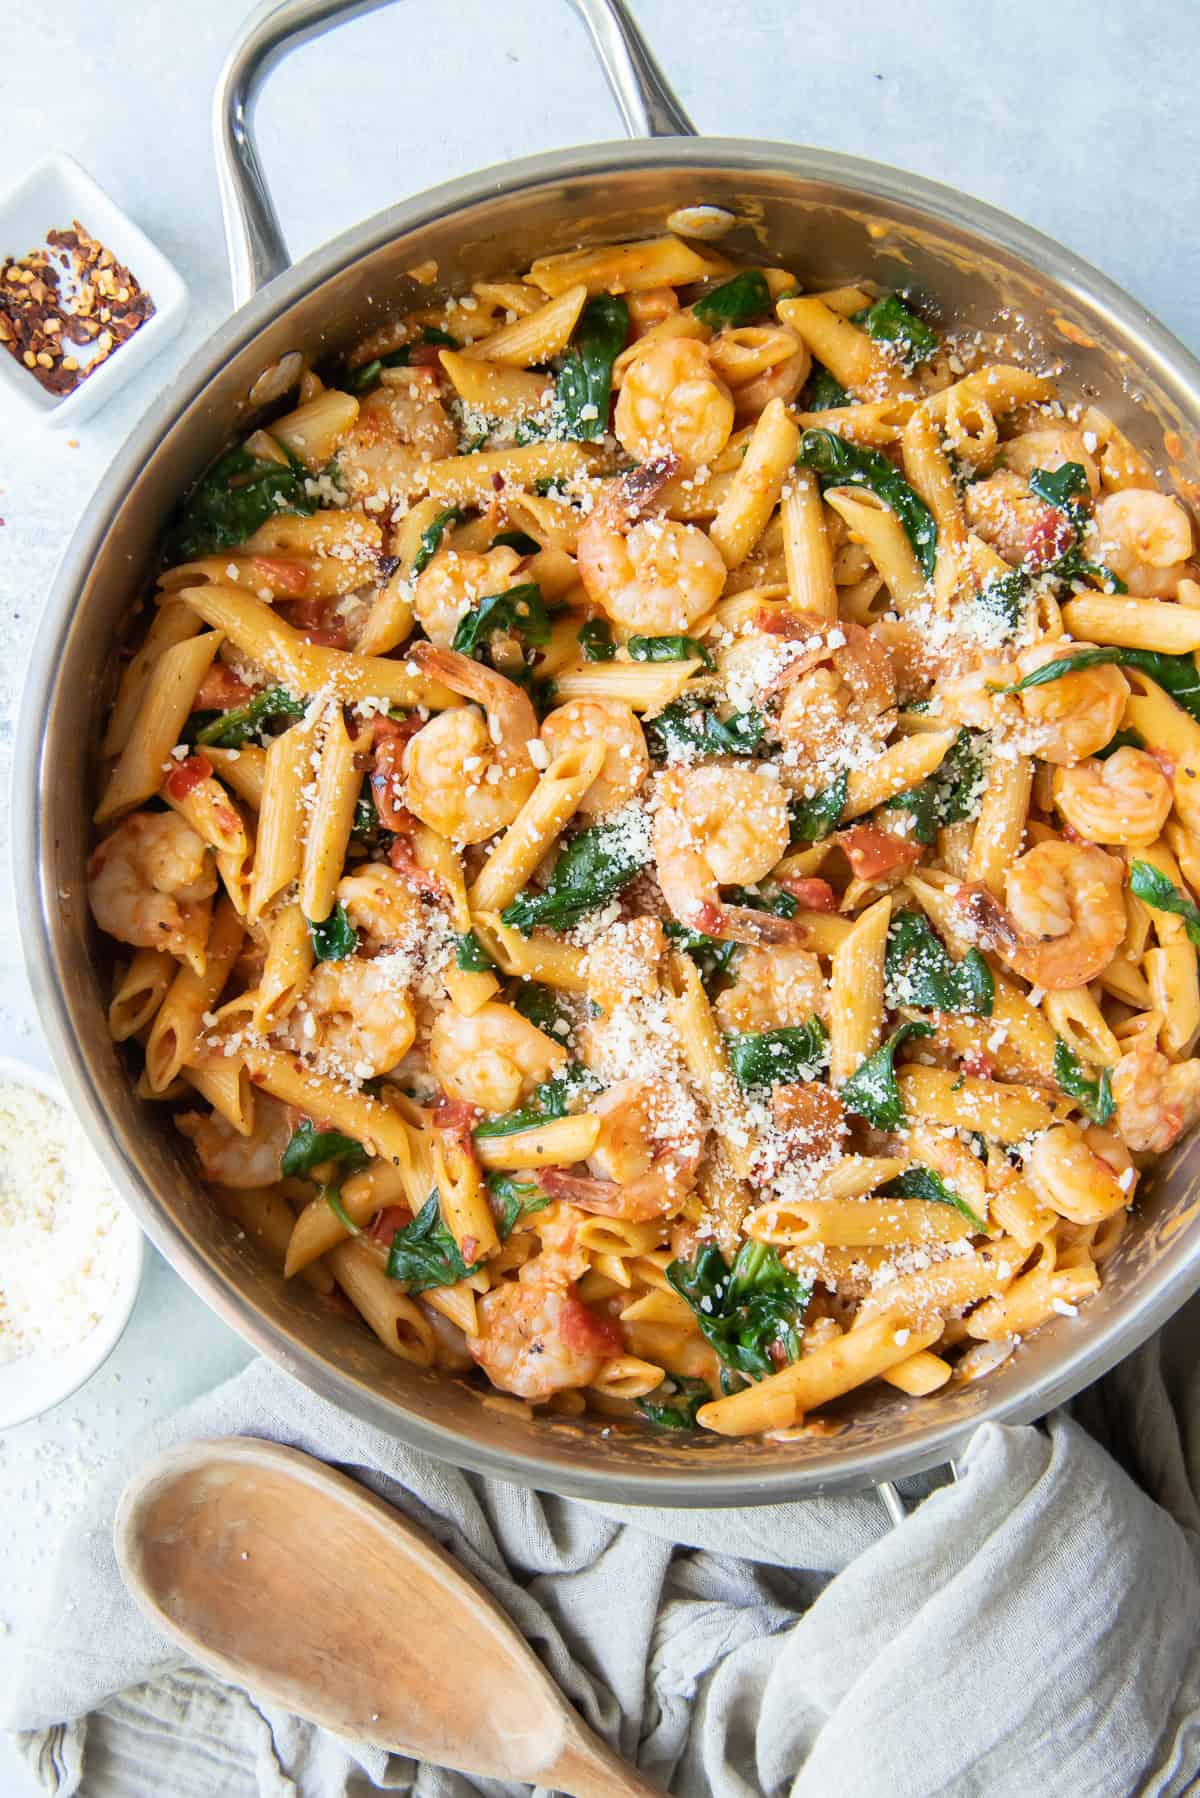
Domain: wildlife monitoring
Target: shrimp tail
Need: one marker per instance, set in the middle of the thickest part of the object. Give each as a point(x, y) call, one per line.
point(654, 1195)
point(504, 702)
point(991, 924)
point(638, 489)
point(742, 924)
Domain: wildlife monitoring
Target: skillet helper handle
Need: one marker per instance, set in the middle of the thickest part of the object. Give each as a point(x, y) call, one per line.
point(253, 237)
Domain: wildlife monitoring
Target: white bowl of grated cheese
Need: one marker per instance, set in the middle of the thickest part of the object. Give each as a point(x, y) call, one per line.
point(71, 1253)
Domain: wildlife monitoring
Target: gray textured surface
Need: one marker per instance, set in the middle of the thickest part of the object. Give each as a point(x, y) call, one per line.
point(1079, 118)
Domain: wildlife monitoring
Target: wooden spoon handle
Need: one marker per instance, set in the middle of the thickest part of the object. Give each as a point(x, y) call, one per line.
point(588, 1768)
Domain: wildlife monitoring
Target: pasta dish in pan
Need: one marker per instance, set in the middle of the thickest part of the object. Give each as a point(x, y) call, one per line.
point(653, 825)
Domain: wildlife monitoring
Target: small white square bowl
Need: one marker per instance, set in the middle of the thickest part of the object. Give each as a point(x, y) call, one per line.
point(49, 198)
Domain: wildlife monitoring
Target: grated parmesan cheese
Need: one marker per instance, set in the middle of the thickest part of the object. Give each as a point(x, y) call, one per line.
point(59, 1243)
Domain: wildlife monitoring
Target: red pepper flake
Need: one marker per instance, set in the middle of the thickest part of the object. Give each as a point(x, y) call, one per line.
point(70, 294)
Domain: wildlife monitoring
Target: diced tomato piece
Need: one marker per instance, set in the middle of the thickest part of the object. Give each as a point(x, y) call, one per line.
point(978, 1065)
point(284, 576)
point(220, 690)
point(1051, 536)
point(387, 784)
point(873, 853)
point(187, 775)
point(404, 860)
point(425, 355)
point(456, 1118)
point(395, 730)
point(587, 1332)
point(388, 1221)
point(808, 891)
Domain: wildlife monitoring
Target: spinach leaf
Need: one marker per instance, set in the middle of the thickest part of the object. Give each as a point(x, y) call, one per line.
point(742, 1310)
point(366, 375)
point(431, 537)
point(1006, 598)
point(669, 649)
point(920, 971)
point(674, 1403)
point(1152, 886)
point(589, 872)
point(736, 302)
point(366, 815)
point(227, 505)
point(1062, 487)
point(872, 1090)
point(470, 954)
point(310, 1148)
point(585, 379)
point(822, 393)
point(332, 1196)
point(520, 1198)
point(889, 320)
point(425, 1254)
point(794, 1052)
point(780, 904)
point(549, 1101)
point(711, 956)
point(596, 640)
point(520, 611)
point(1094, 1097)
point(952, 792)
point(1176, 675)
point(232, 729)
point(1126, 738)
point(542, 1006)
point(335, 937)
point(920, 805)
point(521, 541)
point(923, 1183)
point(812, 820)
point(838, 463)
point(687, 729)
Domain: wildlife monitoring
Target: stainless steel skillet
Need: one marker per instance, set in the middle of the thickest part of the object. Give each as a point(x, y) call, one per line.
point(826, 217)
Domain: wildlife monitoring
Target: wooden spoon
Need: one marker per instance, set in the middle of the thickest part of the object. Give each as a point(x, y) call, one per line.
point(283, 1576)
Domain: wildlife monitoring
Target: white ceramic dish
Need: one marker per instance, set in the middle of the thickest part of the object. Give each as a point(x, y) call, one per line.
point(38, 1382)
point(54, 193)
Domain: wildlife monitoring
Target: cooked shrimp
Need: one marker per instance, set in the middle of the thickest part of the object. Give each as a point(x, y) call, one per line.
point(229, 1159)
point(1075, 715)
point(467, 777)
point(672, 402)
point(382, 905)
point(1063, 721)
point(1049, 447)
point(646, 1155)
point(1123, 799)
point(1145, 538)
point(1066, 914)
point(1002, 510)
point(493, 1059)
point(657, 576)
point(358, 1012)
point(400, 427)
point(454, 582)
point(148, 879)
point(536, 1337)
point(624, 962)
point(626, 763)
point(774, 987)
point(721, 824)
point(842, 707)
point(1157, 1100)
point(1084, 1175)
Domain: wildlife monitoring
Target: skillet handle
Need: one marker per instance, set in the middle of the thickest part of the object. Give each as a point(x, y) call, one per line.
point(253, 237)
